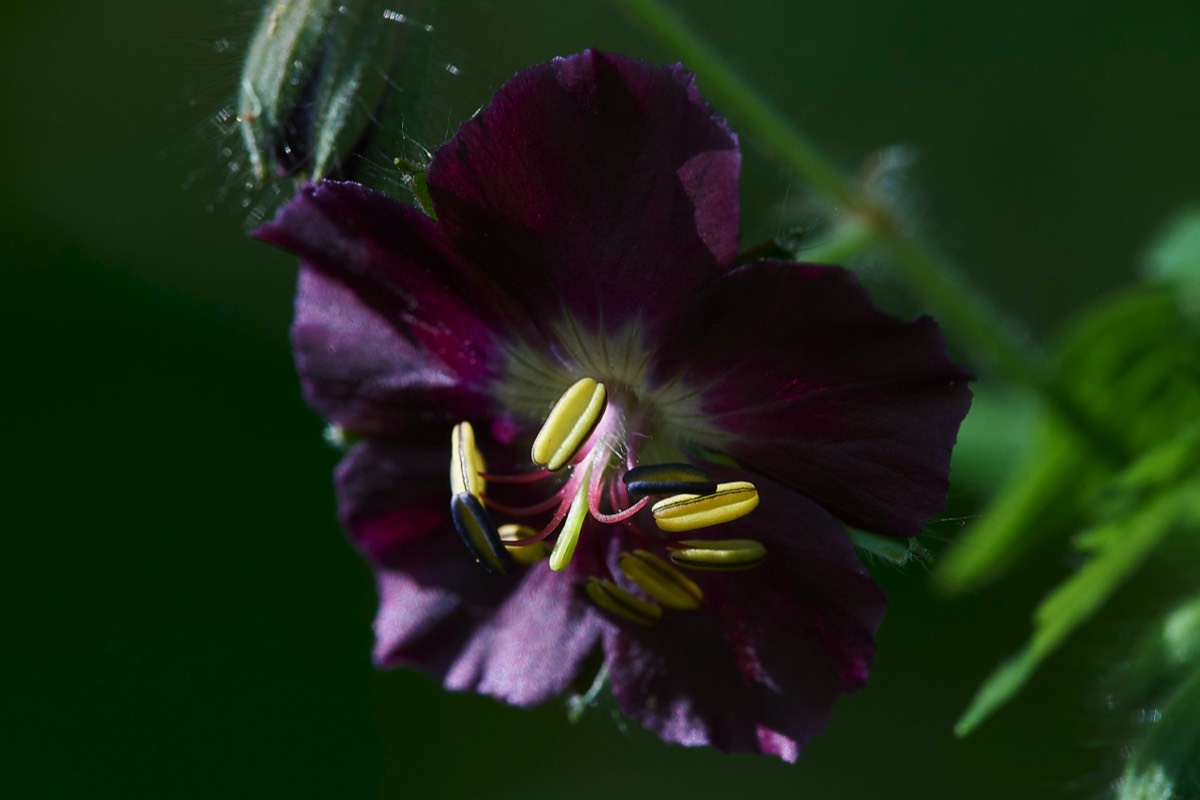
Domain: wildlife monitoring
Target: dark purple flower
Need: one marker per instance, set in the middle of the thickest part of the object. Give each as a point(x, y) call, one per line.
point(587, 220)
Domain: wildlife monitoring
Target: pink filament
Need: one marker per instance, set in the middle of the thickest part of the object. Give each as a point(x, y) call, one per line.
point(524, 511)
point(528, 477)
point(620, 516)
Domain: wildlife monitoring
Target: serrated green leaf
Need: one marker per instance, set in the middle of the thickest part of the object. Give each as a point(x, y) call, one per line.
point(1133, 359)
point(1126, 543)
point(1040, 501)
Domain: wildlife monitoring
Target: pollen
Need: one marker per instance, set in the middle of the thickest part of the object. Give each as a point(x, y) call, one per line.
point(718, 555)
point(660, 580)
point(615, 600)
point(688, 512)
point(466, 463)
point(569, 424)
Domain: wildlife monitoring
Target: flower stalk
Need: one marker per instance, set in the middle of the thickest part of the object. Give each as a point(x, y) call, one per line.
point(980, 328)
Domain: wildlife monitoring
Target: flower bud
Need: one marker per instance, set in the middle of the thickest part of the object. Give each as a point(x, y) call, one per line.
point(321, 80)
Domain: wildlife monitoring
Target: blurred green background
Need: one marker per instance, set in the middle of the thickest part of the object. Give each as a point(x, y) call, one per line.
point(186, 620)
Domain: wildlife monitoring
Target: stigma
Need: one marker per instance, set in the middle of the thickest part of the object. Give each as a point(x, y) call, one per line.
point(587, 450)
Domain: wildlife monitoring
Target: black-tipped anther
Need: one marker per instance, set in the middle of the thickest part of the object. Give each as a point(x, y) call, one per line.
point(480, 534)
point(668, 479)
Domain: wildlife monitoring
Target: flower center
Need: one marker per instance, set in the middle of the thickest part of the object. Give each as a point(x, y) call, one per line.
point(583, 446)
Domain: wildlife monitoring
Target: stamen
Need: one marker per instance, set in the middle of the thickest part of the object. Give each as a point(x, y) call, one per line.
point(528, 477)
point(668, 479)
point(615, 600)
point(687, 512)
point(524, 511)
point(569, 424)
point(598, 487)
point(564, 546)
point(718, 555)
point(620, 516)
point(466, 463)
point(525, 554)
point(479, 533)
point(660, 580)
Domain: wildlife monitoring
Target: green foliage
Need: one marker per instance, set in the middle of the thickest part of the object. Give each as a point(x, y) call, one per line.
point(1165, 654)
point(1133, 361)
point(1165, 765)
point(1157, 495)
point(993, 438)
point(1174, 256)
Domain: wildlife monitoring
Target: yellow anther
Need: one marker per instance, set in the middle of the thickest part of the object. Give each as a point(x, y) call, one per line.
point(615, 600)
point(660, 580)
point(524, 554)
point(569, 424)
point(718, 554)
point(687, 512)
point(465, 462)
point(564, 547)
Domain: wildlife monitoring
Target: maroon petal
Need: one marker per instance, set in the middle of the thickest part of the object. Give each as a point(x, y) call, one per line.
point(392, 495)
point(359, 372)
point(757, 668)
point(397, 262)
point(520, 638)
point(595, 182)
point(809, 383)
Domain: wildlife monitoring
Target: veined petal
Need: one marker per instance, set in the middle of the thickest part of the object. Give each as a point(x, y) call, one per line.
point(803, 379)
point(595, 183)
point(397, 262)
point(520, 639)
point(391, 495)
point(360, 373)
point(758, 667)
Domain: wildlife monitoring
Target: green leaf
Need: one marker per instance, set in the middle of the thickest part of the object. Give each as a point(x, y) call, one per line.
point(1126, 356)
point(1120, 545)
point(1165, 653)
point(994, 437)
point(1039, 502)
point(1174, 255)
point(1165, 765)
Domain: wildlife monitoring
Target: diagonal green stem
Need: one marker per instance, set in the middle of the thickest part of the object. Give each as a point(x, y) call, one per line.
point(975, 324)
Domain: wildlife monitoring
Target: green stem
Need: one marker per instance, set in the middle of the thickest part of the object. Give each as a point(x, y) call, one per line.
point(975, 324)
point(847, 244)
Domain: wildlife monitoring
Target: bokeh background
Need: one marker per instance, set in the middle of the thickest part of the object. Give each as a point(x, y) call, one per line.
point(184, 618)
